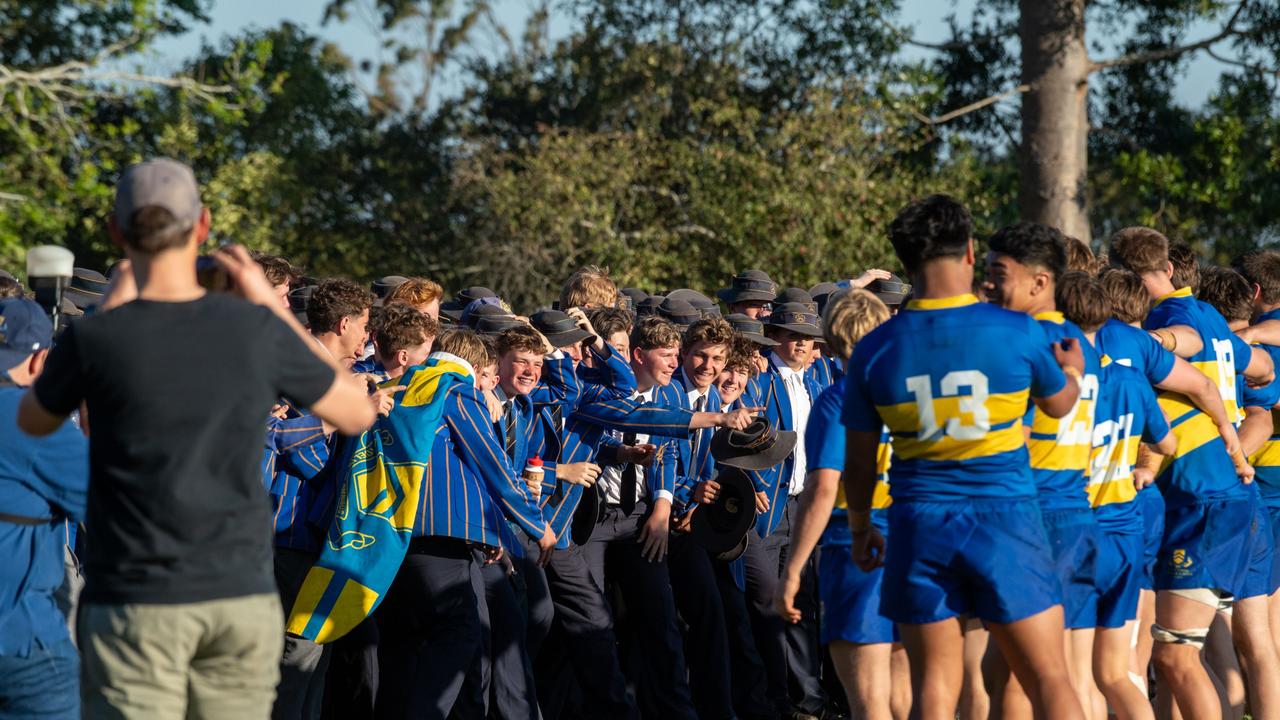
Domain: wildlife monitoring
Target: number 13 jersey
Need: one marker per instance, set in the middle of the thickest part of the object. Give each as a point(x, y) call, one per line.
point(951, 378)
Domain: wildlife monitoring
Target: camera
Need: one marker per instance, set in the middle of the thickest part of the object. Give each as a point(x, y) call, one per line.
point(211, 275)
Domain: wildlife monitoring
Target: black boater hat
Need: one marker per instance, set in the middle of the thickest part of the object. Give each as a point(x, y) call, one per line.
point(749, 286)
point(453, 309)
point(559, 329)
point(750, 328)
point(722, 526)
point(796, 317)
point(822, 294)
point(796, 295)
point(758, 446)
point(703, 304)
point(649, 306)
point(87, 288)
point(892, 292)
point(680, 312)
point(383, 286)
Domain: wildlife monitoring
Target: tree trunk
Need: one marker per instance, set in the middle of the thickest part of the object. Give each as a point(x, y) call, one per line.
point(1055, 124)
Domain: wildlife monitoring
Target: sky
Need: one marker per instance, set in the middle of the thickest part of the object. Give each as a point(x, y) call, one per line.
point(359, 39)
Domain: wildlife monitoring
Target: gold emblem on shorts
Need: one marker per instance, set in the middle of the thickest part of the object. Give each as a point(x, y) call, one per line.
point(1180, 559)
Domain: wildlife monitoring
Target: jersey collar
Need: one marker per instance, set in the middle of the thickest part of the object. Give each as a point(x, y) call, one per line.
point(1052, 316)
point(1182, 292)
point(942, 303)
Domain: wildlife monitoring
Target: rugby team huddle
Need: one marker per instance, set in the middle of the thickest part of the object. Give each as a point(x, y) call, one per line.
point(1048, 490)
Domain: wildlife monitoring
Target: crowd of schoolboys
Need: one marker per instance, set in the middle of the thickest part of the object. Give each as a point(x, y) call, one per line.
point(1051, 492)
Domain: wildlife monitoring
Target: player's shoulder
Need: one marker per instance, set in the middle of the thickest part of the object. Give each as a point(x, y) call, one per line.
point(1116, 375)
point(1114, 328)
point(830, 400)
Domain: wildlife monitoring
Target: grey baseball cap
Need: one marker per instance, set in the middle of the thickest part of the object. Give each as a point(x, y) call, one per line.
point(163, 183)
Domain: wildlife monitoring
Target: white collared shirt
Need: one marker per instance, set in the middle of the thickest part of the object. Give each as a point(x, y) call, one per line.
point(695, 395)
point(611, 477)
point(801, 404)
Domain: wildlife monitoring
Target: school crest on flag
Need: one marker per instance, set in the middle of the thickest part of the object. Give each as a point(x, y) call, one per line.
point(380, 479)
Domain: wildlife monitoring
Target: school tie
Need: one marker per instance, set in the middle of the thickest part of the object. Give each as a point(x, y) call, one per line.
point(630, 477)
point(509, 430)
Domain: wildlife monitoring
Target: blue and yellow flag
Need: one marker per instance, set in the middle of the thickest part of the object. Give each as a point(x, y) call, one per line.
point(381, 475)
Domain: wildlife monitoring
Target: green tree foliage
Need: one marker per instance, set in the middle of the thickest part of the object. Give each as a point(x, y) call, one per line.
point(1199, 173)
point(675, 141)
point(808, 199)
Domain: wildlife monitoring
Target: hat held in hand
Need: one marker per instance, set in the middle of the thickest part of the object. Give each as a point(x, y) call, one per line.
point(559, 329)
point(756, 447)
point(723, 526)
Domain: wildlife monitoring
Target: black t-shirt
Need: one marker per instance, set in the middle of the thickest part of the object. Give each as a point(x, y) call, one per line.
point(178, 396)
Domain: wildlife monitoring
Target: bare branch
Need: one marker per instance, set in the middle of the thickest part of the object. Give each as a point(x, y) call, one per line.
point(979, 104)
point(1229, 30)
point(907, 39)
point(77, 80)
point(1242, 64)
point(12, 197)
point(694, 229)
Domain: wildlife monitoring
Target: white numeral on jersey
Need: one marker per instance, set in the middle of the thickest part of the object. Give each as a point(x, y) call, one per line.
point(974, 405)
point(1225, 354)
point(1113, 440)
point(1076, 427)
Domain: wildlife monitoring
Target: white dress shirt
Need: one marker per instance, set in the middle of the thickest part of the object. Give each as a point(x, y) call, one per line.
point(801, 404)
point(697, 398)
point(611, 477)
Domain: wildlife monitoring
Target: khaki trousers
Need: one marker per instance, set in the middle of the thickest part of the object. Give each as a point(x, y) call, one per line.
point(214, 659)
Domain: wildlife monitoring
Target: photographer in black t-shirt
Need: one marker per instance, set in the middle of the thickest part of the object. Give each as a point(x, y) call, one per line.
point(180, 614)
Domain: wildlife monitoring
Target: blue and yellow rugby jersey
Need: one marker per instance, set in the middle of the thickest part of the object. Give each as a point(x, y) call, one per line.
point(1134, 347)
point(1127, 414)
point(1201, 468)
point(824, 450)
point(951, 379)
point(1266, 462)
point(1060, 447)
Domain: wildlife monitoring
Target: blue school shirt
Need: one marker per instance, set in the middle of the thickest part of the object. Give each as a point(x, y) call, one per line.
point(39, 478)
point(951, 379)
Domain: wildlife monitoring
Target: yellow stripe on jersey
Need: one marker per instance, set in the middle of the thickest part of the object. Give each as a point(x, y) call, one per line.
point(1194, 433)
point(1267, 456)
point(1223, 375)
point(949, 448)
point(1063, 443)
point(1111, 465)
point(904, 421)
point(1047, 454)
point(881, 499)
point(1109, 492)
point(942, 303)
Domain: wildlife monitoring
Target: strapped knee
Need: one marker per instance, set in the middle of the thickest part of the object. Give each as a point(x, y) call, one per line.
point(1194, 637)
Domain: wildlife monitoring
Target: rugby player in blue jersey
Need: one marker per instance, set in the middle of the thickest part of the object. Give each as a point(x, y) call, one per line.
point(1126, 415)
point(951, 378)
point(1208, 531)
point(1023, 266)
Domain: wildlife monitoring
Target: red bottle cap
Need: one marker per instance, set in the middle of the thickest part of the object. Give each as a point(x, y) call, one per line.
point(534, 461)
